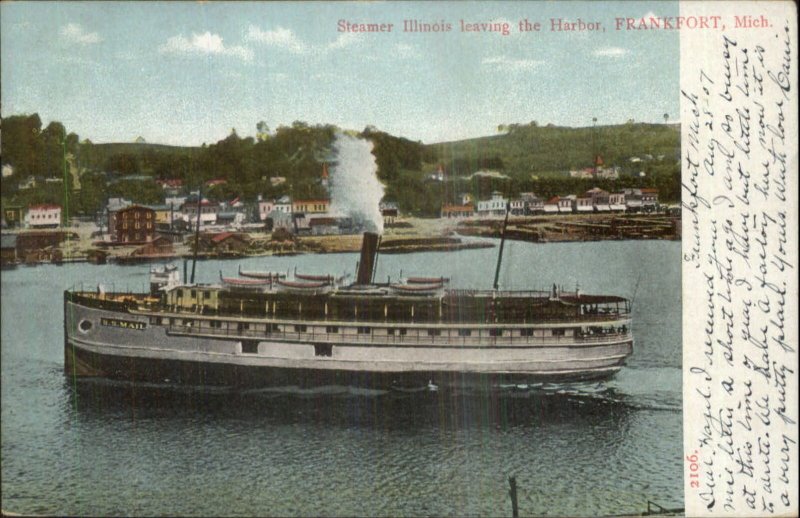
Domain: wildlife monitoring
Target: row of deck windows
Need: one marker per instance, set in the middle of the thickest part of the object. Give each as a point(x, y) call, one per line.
point(193, 294)
point(391, 331)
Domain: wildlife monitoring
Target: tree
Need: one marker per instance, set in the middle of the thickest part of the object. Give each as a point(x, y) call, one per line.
point(93, 193)
point(122, 163)
point(21, 143)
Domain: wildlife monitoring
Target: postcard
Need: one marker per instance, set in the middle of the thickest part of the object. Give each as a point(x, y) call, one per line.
point(399, 258)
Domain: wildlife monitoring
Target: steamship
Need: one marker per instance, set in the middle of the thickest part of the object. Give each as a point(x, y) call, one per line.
point(263, 329)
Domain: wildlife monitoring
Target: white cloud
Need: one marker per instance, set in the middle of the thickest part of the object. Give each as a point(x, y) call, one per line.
point(610, 52)
point(280, 37)
point(286, 39)
point(76, 34)
point(344, 40)
point(206, 43)
point(507, 63)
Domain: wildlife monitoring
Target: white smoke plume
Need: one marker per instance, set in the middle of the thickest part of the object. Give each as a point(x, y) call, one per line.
point(354, 186)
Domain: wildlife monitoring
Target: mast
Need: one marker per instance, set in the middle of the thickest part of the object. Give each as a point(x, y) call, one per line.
point(502, 242)
point(197, 231)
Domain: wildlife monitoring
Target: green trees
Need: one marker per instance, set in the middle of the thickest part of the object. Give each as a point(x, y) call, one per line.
point(531, 157)
point(22, 144)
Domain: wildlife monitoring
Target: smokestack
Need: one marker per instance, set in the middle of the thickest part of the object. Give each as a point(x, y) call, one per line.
point(369, 249)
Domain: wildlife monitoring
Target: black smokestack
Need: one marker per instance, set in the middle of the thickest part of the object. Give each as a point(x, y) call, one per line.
point(369, 249)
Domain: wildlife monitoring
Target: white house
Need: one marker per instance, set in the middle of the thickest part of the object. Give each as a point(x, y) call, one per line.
point(566, 203)
point(649, 198)
point(44, 215)
point(496, 206)
point(584, 203)
point(264, 208)
point(533, 204)
point(551, 205)
point(208, 212)
point(616, 201)
point(284, 204)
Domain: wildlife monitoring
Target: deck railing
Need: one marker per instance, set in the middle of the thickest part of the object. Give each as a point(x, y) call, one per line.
point(415, 338)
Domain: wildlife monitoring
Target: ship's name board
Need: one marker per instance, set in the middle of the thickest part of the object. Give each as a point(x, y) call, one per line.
point(125, 324)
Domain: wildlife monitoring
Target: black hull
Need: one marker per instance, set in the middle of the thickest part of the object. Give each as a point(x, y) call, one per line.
point(82, 363)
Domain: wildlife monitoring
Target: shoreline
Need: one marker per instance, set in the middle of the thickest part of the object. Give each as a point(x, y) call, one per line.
point(408, 235)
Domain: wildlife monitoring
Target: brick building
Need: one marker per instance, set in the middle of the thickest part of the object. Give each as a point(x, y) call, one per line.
point(134, 224)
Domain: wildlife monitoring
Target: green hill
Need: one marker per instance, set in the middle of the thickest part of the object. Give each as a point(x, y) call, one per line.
point(522, 158)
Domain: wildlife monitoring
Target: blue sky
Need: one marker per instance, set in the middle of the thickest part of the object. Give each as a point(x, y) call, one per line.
point(188, 72)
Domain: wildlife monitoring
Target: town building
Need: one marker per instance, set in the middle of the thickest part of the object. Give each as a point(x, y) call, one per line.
point(389, 211)
point(324, 226)
point(165, 215)
point(8, 249)
point(232, 218)
point(171, 186)
point(600, 199)
point(159, 246)
point(457, 211)
point(224, 243)
point(134, 224)
point(649, 199)
point(113, 206)
point(278, 219)
point(264, 209)
point(310, 206)
point(43, 215)
point(41, 245)
point(532, 203)
point(584, 203)
point(616, 200)
point(566, 204)
point(633, 200)
point(208, 211)
point(13, 216)
point(551, 205)
point(495, 206)
point(284, 204)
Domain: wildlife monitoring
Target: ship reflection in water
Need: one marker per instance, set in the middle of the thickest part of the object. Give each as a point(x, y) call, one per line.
point(352, 407)
point(444, 453)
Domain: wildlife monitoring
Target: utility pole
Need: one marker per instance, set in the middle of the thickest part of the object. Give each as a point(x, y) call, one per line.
point(66, 189)
point(594, 145)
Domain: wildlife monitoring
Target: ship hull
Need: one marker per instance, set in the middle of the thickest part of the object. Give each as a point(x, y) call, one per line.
point(120, 345)
point(82, 363)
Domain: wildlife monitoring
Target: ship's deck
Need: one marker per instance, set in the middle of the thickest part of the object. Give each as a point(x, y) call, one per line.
point(371, 305)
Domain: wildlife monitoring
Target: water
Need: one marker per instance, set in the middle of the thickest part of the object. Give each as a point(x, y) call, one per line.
point(110, 448)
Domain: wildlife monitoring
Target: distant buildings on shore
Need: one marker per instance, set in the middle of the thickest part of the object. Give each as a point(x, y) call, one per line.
point(528, 203)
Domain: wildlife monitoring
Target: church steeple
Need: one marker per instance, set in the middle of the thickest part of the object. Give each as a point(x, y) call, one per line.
point(324, 177)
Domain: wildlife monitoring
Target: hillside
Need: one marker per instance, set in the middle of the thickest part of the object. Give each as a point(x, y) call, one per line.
point(523, 150)
point(521, 158)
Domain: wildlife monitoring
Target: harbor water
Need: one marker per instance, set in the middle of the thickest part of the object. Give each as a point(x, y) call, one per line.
point(114, 448)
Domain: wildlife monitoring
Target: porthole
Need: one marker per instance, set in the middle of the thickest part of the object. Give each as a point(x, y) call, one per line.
point(85, 326)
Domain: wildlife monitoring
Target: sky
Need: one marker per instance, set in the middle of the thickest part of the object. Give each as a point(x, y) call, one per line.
point(185, 73)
